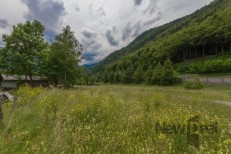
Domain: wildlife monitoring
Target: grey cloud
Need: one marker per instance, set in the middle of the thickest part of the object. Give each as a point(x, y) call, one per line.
point(3, 23)
point(152, 10)
point(90, 41)
point(91, 45)
point(137, 29)
point(101, 11)
point(1, 43)
point(180, 6)
point(138, 2)
point(77, 8)
point(90, 6)
point(90, 56)
point(131, 31)
point(127, 32)
point(92, 50)
point(49, 12)
point(115, 29)
point(96, 46)
point(89, 35)
point(110, 38)
point(152, 7)
point(153, 20)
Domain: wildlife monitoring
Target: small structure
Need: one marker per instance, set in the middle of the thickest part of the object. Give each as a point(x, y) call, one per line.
point(13, 81)
point(4, 97)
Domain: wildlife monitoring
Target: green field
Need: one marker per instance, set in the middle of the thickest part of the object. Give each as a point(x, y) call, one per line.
point(114, 119)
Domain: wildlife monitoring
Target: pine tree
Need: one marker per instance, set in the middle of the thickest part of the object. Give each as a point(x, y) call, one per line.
point(148, 75)
point(157, 74)
point(138, 75)
point(129, 75)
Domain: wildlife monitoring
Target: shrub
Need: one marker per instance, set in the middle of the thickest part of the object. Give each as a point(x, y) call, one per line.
point(27, 93)
point(164, 74)
point(195, 85)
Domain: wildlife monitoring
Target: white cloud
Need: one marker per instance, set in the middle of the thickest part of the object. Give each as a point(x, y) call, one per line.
point(11, 11)
point(93, 20)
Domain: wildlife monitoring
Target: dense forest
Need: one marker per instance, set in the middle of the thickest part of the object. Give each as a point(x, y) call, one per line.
point(207, 32)
point(210, 65)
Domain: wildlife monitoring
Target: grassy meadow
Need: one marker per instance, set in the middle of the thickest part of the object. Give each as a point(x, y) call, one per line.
point(113, 119)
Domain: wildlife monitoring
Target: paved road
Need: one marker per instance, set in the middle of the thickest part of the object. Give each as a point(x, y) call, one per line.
point(210, 80)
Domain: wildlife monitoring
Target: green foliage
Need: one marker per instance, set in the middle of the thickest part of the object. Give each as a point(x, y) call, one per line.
point(27, 94)
point(26, 53)
point(164, 74)
point(157, 76)
point(138, 75)
point(148, 75)
point(215, 64)
point(109, 119)
point(62, 63)
point(194, 85)
point(203, 33)
point(135, 45)
point(129, 75)
point(25, 50)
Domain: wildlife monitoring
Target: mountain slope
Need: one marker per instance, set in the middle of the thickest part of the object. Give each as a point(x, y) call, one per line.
point(138, 43)
point(205, 32)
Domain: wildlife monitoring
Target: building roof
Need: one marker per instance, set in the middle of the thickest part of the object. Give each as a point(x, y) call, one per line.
point(22, 77)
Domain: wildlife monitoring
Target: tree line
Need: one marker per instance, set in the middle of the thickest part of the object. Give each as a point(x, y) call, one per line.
point(205, 33)
point(161, 74)
point(27, 53)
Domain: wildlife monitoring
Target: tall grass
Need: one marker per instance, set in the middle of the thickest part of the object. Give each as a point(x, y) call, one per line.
point(112, 119)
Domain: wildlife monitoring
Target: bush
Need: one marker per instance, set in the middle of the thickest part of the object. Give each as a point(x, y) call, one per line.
point(215, 64)
point(164, 74)
point(27, 94)
point(195, 85)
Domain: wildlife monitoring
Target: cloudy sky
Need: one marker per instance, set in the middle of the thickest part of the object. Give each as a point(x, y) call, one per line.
point(102, 26)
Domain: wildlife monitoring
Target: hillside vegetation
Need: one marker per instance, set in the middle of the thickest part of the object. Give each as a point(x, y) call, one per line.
point(115, 119)
point(210, 65)
point(204, 33)
point(138, 43)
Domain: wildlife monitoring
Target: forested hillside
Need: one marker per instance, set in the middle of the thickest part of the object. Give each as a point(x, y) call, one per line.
point(138, 43)
point(209, 65)
point(204, 33)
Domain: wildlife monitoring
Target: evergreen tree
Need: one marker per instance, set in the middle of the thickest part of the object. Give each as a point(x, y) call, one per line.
point(148, 75)
point(105, 77)
point(164, 74)
point(138, 75)
point(157, 74)
point(129, 75)
point(168, 72)
point(111, 77)
point(117, 77)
